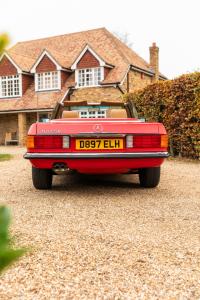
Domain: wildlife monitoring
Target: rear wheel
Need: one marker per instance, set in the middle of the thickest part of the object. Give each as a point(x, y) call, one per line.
point(149, 177)
point(42, 178)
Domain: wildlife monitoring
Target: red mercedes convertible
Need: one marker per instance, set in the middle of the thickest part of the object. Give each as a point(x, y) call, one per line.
point(96, 138)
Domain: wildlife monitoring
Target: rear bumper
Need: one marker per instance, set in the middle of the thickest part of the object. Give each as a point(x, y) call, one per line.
point(29, 155)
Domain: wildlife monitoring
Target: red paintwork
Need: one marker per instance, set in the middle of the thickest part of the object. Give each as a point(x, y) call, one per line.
point(97, 166)
point(75, 126)
point(100, 166)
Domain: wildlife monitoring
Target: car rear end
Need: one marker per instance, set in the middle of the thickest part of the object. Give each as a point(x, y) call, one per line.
point(92, 146)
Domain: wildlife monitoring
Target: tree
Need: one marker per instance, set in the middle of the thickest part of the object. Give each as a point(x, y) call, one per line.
point(4, 40)
point(124, 37)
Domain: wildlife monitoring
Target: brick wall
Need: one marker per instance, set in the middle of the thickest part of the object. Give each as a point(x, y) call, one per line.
point(64, 76)
point(154, 60)
point(88, 61)
point(26, 82)
point(45, 65)
point(30, 119)
point(7, 68)
point(106, 71)
point(22, 128)
point(137, 81)
point(8, 123)
point(97, 94)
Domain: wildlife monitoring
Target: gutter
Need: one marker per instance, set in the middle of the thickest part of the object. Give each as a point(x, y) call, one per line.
point(110, 83)
point(67, 69)
point(25, 110)
point(150, 73)
point(132, 67)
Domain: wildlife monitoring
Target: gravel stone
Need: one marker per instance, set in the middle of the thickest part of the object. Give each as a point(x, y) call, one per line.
point(103, 237)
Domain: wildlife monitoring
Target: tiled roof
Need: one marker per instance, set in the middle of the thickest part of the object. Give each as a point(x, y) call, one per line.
point(22, 61)
point(65, 49)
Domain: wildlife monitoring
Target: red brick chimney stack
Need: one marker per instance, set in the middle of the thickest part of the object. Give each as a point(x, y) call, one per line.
point(154, 60)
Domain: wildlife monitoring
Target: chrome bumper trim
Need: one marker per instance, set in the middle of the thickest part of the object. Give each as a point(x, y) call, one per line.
point(96, 155)
point(98, 135)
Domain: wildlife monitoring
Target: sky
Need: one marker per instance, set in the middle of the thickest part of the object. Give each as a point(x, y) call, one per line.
point(173, 24)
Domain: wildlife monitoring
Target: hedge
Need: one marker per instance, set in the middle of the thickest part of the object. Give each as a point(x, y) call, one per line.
point(175, 103)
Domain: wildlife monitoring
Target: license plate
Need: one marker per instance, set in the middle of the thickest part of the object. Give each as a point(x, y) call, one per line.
point(95, 144)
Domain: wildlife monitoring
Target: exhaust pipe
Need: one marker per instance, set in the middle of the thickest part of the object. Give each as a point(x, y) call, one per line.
point(61, 168)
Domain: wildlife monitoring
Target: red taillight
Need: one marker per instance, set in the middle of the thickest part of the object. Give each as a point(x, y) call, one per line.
point(48, 142)
point(146, 141)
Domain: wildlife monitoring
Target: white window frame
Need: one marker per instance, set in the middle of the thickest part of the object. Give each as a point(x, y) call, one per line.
point(11, 79)
point(37, 89)
point(77, 71)
point(92, 113)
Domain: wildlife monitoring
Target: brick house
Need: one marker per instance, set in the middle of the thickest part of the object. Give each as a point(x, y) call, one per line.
point(92, 65)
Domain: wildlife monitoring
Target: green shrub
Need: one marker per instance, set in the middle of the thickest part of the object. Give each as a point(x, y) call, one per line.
point(8, 255)
point(175, 103)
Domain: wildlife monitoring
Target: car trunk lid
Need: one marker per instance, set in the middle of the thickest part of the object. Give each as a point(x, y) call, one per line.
point(81, 127)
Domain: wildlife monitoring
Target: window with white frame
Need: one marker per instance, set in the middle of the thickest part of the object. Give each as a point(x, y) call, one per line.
point(47, 81)
point(89, 77)
point(92, 114)
point(10, 86)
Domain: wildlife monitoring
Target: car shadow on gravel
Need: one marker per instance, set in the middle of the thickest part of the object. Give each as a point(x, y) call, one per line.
point(79, 181)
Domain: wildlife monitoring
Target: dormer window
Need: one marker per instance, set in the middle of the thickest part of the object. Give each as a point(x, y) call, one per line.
point(89, 77)
point(10, 86)
point(47, 81)
point(89, 68)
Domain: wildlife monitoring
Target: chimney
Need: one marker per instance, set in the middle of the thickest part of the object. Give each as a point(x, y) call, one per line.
point(154, 60)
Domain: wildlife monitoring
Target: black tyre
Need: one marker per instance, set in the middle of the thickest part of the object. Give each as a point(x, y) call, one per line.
point(149, 177)
point(42, 178)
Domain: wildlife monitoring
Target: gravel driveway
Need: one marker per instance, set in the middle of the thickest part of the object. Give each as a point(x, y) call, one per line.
point(103, 237)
